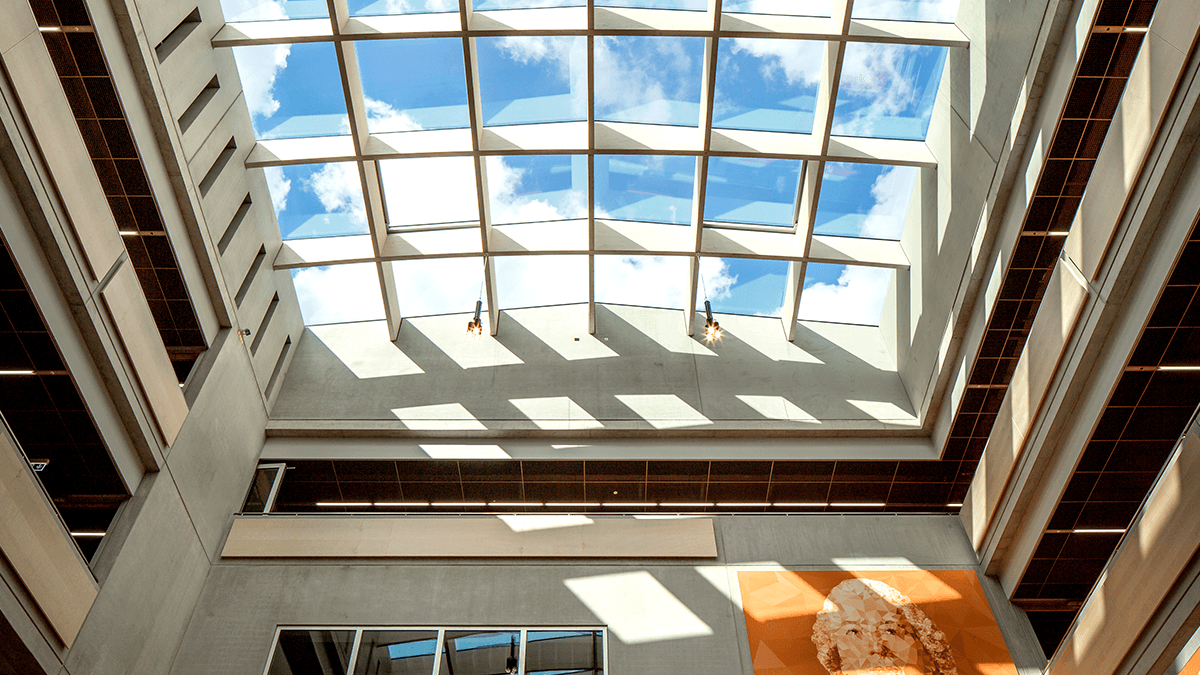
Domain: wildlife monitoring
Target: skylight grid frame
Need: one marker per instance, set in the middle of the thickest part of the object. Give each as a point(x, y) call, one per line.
point(798, 245)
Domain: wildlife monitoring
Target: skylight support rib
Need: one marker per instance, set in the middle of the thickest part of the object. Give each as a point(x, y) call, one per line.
point(591, 186)
point(708, 87)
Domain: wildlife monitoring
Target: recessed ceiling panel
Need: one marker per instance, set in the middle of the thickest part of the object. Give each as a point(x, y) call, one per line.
point(273, 10)
point(844, 293)
point(887, 90)
point(865, 200)
point(654, 80)
point(413, 84)
point(429, 190)
point(317, 200)
point(767, 85)
point(648, 281)
point(292, 91)
point(752, 190)
point(537, 188)
point(743, 285)
point(339, 293)
point(645, 188)
point(539, 280)
point(524, 80)
point(438, 286)
point(939, 11)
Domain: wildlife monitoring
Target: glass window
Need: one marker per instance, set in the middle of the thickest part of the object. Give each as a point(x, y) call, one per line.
point(643, 280)
point(438, 285)
point(259, 497)
point(767, 85)
point(317, 200)
point(645, 188)
point(648, 79)
point(844, 293)
point(293, 91)
point(887, 91)
point(537, 188)
point(429, 190)
point(694, 5)
point(552, 652)
point(865, 200)
point(396, 652)
point(523, 80)
point(782, 7)
point(485, 5)
point(752, 190)
point(413, 84)
point(939, 11)
point(312, 652)
point(381, 7)
point(539, 280)
point(339, 293)
point(273, 10)
point(473, 652)
point(743, 285)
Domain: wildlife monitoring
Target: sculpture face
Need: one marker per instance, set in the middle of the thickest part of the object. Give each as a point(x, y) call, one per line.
point(872, 636)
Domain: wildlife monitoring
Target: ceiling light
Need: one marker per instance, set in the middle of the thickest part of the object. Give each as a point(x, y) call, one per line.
point(510, 664)
point(514, 503)
point(629, 505)
point(572, 504)
point(459, 504)
point(1179, 367)
point(1099, 531)
point(697, 505)
point(128, 233)
point(16, 372)
point(343, 503)
point(849, 505)
point(475, 326)
point(954, 506)
point(801, 505)
point(88, 534)
point(712, 329)
point(401, 504)
point(744, 504)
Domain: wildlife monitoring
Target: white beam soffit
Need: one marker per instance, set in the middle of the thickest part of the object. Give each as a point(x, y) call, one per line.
point(592, 138)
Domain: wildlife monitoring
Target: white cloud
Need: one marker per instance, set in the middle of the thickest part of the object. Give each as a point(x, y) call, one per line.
point(923, 10)
point(339, 294)
point(438, 286)
point(799, 61)
point(568, 55)
point(881, 82)
point(787, 7)
point(530, 281)
point(509, 205)
point(715, 274)
point(279, 186)
point(652, 281)
point(430, 190)
point(383, 118)
point(892, 191)
point(253, 10)
point(258, 67)
point(629, 83)
point(339, 188)
point(856, 297)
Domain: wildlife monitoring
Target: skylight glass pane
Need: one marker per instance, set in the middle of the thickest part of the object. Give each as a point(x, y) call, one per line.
point(752, 190)
point(844, 293)
point(887, 91)
point(538, 280)
point(564, 652)
point(783, 7)
point(767, 85)
point(413, 84)
point(939, 11)
point(438, 285)
point(694, 5)
point(532, 79)
point(396, 652)
point(293, 91)
point(339, 293)
point(317, 200)
point(644, 280)
point(429, 190)
point(653, 80)
point(743, 286)
point(273, 10)
point(646, 188)
point(535, 188)
point(381, 7)
point(526, 4)
point(865, 200)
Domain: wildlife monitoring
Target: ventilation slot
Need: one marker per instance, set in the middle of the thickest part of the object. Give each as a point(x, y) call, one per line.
point(250, 274)
point(283, 354)
point(218, 165)
point(177, 36)
point(193, 111)
point(231, 230)
point(266, 322)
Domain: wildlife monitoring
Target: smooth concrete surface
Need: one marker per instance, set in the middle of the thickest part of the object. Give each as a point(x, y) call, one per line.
point(692, 625)
point(639, 371)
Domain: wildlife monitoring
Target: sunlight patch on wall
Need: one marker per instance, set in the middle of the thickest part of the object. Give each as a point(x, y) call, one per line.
point(556, 412)
point(664, 328)
point(534, 523)
point(884, 411)
point(443, 416)
point(555, 330)
point(766, 336)
point(637, 607)
point(449, 334)
point(464, 451)
point(777, 408)
point(366, 350)
point(663, 411)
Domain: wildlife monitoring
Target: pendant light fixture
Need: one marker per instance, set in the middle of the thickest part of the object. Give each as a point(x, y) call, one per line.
point(510, 664)
point(475, 325)
point(712, 329)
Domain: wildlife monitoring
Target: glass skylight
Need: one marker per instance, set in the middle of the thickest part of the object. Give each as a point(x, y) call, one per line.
point(589, 179)
point(865, 200)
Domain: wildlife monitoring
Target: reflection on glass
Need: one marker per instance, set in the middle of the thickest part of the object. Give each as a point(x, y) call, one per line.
point(551, 652)
point(887, 91)
point(312, 652)
point(646, 188)
point(413, 84)
point(381, 7)
point(292, 91)
point(694, 5)
point(537, 188)
point(743, 286)
point(273, 10)
point(864, 200)
point(938, 11)
point(644, 280)
point(438, 285)
point(317, 200)
point(783, 7)
point(653, 80)
point(750, 190)
point(396, 652)
point(767, 85)
point(339, 293)
point(429, 190)
point(539, 280)
point(468, 652)
point(526, 4)
point(523, 80)
point(260, 489)
point(844, 293)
